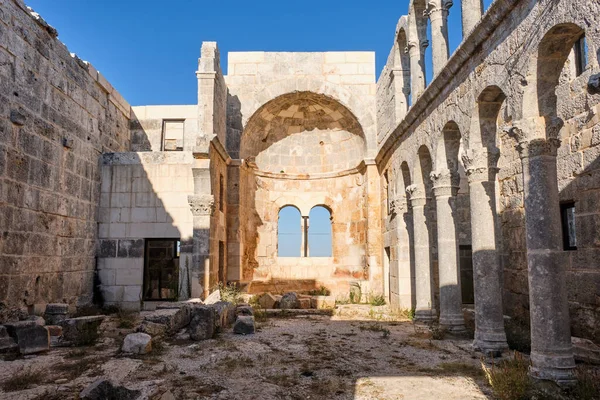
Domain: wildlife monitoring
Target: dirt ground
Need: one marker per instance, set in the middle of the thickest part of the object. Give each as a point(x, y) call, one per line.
point(360, 352)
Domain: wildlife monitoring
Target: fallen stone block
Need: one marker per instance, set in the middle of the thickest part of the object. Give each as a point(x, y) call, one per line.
point(213, 298)
point(173, 318)
point(224, 315)
point(152, 328)
point(103, 389)
point(8, 346)
point(244, 310)
point(54, 330)
point(56, 313)
point(304, 303)
point(29, 336)
point(202, 324)
point(323, 302)
point(244, 325)
point(585, 350)
point(267, 301)
point(81, 330)
point(37, 319)
point(289, 301)
point(137, 343)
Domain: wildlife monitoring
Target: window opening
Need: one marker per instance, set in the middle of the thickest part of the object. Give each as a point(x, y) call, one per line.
point(173, 135)
point(567, 214)
point(289, 232)
point(319, 233)
point(221, 192)
point(580, 50)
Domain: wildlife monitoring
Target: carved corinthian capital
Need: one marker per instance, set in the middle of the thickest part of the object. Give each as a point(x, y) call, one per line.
point(398, 205)
point(530, 144)
point(202, 204)
point(480, 165)
point(416, 195)
point(445, 182)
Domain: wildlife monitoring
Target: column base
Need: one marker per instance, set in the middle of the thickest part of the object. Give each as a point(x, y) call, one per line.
point(556, 367)
point(454, 323)
point(426, 315)
point(490, 343)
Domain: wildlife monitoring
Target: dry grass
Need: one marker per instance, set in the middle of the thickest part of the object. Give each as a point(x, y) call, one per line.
point(21, 380)
point(509, 379)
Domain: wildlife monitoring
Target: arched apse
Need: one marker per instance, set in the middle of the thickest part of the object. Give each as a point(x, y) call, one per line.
point(319, 232)
point(303, 133)
point(289, 232)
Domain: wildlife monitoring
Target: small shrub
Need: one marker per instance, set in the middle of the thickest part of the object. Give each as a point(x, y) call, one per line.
point(126, 319)
point(21, 380)
point(230, 292)
point(355, 295)
point(321, 291)
point(509, 379)
point(588, 385)
point(377, 300)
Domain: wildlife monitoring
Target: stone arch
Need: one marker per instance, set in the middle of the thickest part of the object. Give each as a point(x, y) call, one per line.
point(318, 85)
point(402, 67)
point(422, 167)
point(304, 133)
point(289, 243)
point(448, 147)
point(325, 239)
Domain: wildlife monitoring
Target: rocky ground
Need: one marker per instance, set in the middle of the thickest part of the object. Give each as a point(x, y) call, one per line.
point(359, 352)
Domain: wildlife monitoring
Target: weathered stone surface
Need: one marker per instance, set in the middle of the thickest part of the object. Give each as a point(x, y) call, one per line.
point(304, 303)
point(7, 344)
point(323, 302)
point(137, 343)
point(56, 313)
point(213, 298)
point(289, 301)
point(174, 318)
point(244, 310)
point(202, 324)
point(81, 330)
point(153, 329)
point(225, 314)
point(30, 337)
point(244, 325)
point(267, 301)
point(104, 389)
point(54, 330)
point(585, 350)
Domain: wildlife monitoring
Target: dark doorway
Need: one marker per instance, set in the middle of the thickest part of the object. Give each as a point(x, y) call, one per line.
point(222, 262)
point(161, 269)
point(466, 274)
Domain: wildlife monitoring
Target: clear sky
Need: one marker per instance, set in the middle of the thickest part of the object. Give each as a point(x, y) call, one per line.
point(149, 49)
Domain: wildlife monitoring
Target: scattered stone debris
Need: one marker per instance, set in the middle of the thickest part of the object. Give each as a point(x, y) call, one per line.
point(585, 350)
point(202, 325)
point(56, 313)
point(8, 346)
point(80, 330)
point(29, 336)
point(244, 325)
point(268, 301)
point(214, 297)
point(104, 389)
point(289, 301)
point(137, 343)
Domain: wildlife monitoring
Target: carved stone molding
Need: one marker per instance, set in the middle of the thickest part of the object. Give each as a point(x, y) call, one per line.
point(537, 136)
point(203, 204)
point(416, 195)
point(398, 205)
point(445, 182)
point(538, 147)
point(480, 165)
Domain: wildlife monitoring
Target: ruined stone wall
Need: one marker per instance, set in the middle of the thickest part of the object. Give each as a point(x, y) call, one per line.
point(500, 55)
point(218, 231)
point(143, 196)
point(57, 115)
point(147, 125)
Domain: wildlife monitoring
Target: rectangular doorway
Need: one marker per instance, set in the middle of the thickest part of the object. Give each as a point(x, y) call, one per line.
point(161, 269)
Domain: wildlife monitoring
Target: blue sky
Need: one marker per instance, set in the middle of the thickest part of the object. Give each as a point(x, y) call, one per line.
point(149, 49)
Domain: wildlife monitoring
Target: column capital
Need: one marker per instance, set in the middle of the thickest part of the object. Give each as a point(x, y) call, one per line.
point(536, 136)
point(480, 165)
point(398, 205)
point(202, 204)
point(445, 182)
point(438, 7)
point(416, 195)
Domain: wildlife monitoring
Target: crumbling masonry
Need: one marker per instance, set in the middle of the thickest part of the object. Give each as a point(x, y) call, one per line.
point(481, 186)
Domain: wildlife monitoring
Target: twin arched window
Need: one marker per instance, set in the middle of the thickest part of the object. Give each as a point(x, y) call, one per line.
point(299, 236)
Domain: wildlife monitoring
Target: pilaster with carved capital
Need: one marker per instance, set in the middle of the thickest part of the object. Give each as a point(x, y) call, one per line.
point(201, 205)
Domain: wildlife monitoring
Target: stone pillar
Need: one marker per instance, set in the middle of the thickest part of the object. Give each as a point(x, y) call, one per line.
point(490, 337)
point(304, 248)
point(472, 10)
point(445, 189)
point(202, 205)
point(417, 71)
point(437, 11)
point(401, 79)
point(374, 266)
point(551, 349)
point(399, 207)
point(424, 308)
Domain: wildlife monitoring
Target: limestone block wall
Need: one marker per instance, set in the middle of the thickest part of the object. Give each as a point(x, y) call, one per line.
point(218, 232)
point(143, 195)
point(344, 195)
point(57, 115)
point(254, 78)
point(491, 84)
point(147, 126)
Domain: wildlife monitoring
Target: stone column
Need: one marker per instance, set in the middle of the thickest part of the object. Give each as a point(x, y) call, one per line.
point(399, 207)
point(445, 189)
point(401, 79)
point(417, 73)
point(424, 309)
point(437, 11)
point(472, 10)
point(551, 349)
point(202, 205)
point(490, 337)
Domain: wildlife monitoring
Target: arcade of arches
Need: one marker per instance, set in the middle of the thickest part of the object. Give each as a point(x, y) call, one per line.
point(481, 186)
